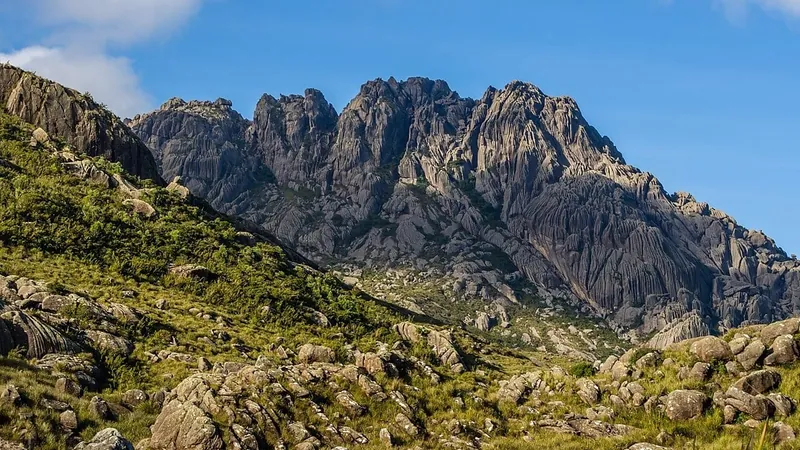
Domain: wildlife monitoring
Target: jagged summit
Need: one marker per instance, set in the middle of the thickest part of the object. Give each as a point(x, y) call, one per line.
point(506, 197)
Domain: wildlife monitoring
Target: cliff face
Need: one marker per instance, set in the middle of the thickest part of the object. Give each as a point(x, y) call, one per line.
point(515, 189)
point(88, 127)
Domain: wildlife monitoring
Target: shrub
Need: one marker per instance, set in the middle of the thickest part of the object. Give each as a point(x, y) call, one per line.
point(582, 369)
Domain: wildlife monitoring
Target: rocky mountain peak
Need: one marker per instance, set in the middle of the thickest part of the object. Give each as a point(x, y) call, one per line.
point(510, 196)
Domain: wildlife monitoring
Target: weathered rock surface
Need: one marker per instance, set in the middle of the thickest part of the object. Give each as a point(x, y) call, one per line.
point(784, 350)
point(711, 348)
point(410, 173)
point(756, 406)
point(87, 126)
point(310, 353)
point(685, 404)
point(782, 328)
point(751, 354)
point(759, 382)
point(107, 439)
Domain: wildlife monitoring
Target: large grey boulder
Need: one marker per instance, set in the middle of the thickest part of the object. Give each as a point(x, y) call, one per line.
point(38, 337)
point(784, 350)
point(107, 439)
point(110, 343)
point(685, 404)
point(782, 328)
point(757, 406)
point(759, 382)
point(751, 354)
point(710, 349)
point(310, 353)
point(588, 391)
point(443, 345)
point(183, 425)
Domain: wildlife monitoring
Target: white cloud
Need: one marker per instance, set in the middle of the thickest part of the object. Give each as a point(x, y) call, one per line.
point(77, 52)
point(737, 9)
point(110, 80)
point(117, 21)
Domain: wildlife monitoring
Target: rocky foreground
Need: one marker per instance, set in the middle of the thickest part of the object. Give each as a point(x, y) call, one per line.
point(312, 396)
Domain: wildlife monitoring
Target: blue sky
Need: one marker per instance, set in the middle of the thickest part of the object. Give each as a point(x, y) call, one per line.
point(702, 93)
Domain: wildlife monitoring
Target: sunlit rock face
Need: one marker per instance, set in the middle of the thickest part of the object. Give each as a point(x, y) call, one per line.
point(513, 186)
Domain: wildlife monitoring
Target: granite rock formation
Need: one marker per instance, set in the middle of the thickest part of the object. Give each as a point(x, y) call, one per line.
point(508, 194)
point(87, 126)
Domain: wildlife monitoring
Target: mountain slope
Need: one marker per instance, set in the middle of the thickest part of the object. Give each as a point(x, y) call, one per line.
point(89, 128)
point(498, 199)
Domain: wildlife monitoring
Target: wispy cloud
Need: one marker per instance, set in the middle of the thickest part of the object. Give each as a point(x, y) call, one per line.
point(738, 9)
point(81, 32)
point(110, 80)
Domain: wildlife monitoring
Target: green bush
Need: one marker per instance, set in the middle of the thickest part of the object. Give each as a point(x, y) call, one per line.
point(582, 369)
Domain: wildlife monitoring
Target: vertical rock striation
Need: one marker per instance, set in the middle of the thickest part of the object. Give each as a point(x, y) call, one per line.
point(513, 188)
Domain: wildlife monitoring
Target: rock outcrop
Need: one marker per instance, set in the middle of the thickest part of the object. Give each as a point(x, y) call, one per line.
point(411, 173)
point(88, 127)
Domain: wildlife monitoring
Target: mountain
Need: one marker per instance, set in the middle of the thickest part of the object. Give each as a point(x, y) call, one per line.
point(498, 200)
point(88, 127)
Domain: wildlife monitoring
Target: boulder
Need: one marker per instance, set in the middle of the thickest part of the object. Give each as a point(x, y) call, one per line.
point(711, 348)
point(784, 350)
point(608, 364)
point(100, 409)
point(738, 344)
point(110, 343)
point(759, 382)
point(9, 395)
point(751, 354)
point(588, 391)
point(407, 331)
point(443, 345)
point(513, 390)
point(310, 353)
point(70, 387)
point(140, 207)
point(107, 439)
point(620, 371)
point(648, 360)
point(78, 367)
point(685, 404)
point(782, 433)
point(701, 371)
point(68, 420)
point(88, 171)
point(349, 403)
point(782, 328)
point(784, 406)
point(729, 414)
point(183, 425)
point(193, 271)
point(178, 188)
point(134, 397)
point(40, 137)
point(37, 336)
point(203, 364)
point(406, 424)
point(385, 437)
point(483, 322)
point(757, 406)
point(646, 446)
